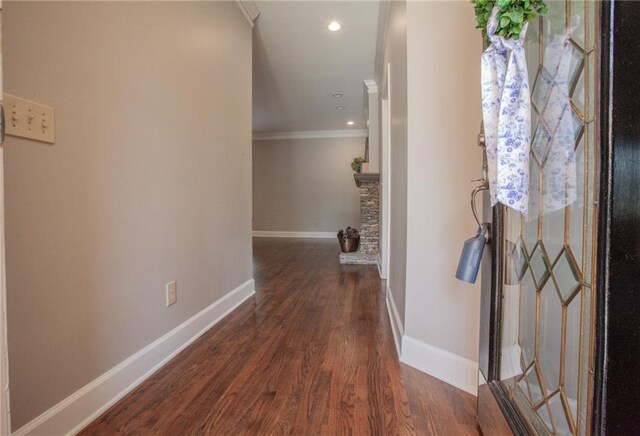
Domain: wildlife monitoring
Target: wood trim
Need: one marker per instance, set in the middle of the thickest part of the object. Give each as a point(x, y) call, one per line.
point(310, 134)
point(600, 363)
point(385, 187)
point(495, 336)
point(83, 406)
point(617, 333)
point(490, 301)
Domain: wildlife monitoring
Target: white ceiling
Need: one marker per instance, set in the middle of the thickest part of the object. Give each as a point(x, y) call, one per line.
point(298, 63)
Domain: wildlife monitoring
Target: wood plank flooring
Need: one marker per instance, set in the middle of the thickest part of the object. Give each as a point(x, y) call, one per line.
point(311, 354)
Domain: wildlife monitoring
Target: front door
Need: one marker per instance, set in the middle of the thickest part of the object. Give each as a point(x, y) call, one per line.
point(538, 287)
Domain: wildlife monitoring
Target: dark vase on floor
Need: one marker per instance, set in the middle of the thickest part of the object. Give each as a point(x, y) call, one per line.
point(349, 245)
point(349, 240)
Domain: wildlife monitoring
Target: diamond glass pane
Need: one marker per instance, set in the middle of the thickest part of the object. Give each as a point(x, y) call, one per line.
point(520, 260)
point(566, 275)
point(553, 233)
point(540, 89)
point(540, 143)
point(516, 262)
point(539, 265)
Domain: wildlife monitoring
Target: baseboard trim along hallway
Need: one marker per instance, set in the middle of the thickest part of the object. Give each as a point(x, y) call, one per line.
point(396, 323)
point(451, 368)
point(270, 234)
point(82, 407)
point(455, 370)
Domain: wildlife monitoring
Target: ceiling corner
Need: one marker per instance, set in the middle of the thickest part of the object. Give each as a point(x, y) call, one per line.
point(249, 9)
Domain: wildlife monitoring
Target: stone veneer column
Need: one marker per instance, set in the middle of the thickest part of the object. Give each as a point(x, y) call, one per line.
point(369, 218)
point(367, 253)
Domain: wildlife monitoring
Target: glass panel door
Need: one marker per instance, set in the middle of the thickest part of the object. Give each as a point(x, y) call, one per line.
point(548, 262)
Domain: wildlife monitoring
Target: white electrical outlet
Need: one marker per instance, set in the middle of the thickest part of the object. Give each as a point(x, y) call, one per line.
point(172, 293)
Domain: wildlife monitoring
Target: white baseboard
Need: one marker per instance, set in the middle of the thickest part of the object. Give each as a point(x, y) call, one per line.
point(270, 234)
point(311, 134)
point(444, 365)
point(396, 323)
point(82, 407)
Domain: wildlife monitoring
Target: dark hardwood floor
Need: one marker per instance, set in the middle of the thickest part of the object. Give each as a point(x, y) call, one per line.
point(312, 353)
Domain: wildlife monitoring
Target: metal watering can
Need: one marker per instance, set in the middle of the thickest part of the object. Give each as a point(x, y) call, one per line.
point(473, 248)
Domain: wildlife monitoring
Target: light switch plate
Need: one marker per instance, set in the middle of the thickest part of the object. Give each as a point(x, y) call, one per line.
point(27, 119)
point(172, 293)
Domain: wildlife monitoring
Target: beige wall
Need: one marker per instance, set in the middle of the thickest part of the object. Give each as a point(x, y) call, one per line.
point(444, 119)
point(305, 185)
point(149, 181)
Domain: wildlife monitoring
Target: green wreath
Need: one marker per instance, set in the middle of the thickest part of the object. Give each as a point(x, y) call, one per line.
point(512, 16)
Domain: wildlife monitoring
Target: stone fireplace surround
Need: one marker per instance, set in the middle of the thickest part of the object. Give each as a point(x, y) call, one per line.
point(367, 253)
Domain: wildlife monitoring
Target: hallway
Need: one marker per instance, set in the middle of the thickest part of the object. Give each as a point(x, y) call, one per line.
point(311, 353)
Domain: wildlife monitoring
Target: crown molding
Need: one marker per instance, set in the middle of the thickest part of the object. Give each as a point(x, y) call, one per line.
point(311, 134)
point(249, 10)
point(372, 86)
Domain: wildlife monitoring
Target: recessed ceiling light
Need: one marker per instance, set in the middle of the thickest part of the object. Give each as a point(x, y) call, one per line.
point(349, 123)
point(340, 108)
point(336, 95)
point(334, 26)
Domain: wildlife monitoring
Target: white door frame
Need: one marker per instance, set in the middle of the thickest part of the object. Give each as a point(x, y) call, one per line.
point(385, 176)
